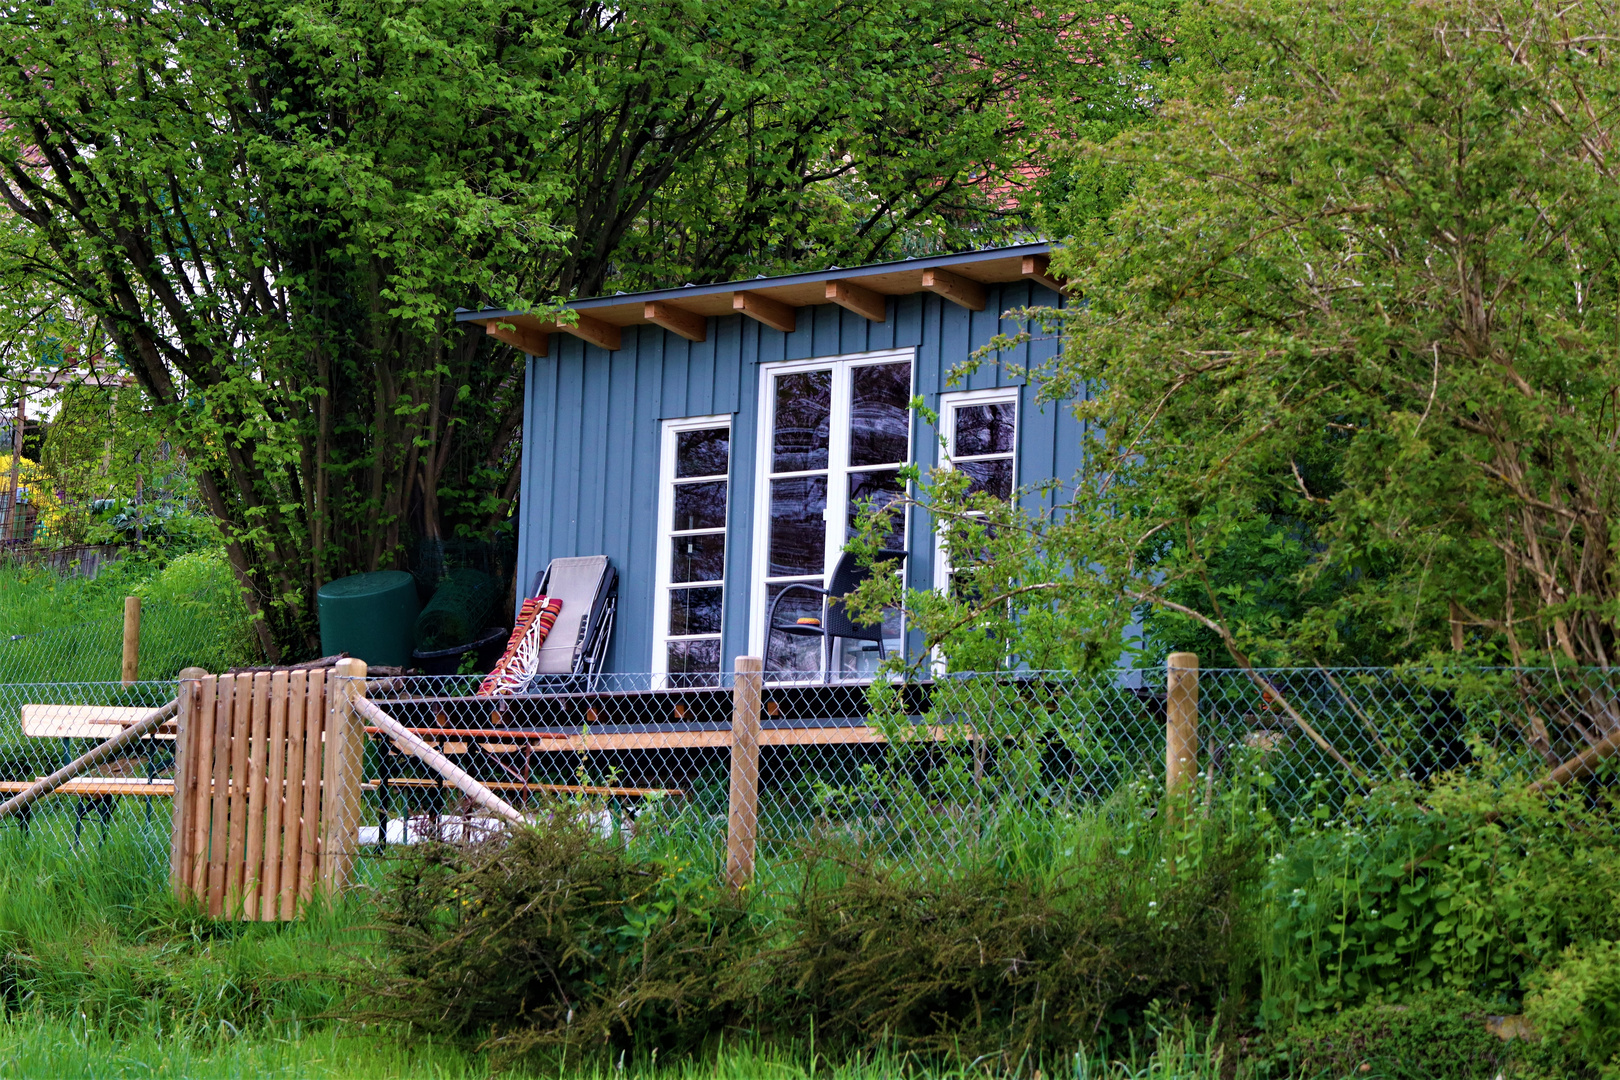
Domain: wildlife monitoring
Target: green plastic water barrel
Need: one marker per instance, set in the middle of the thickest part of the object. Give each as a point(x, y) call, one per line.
point(370, 616)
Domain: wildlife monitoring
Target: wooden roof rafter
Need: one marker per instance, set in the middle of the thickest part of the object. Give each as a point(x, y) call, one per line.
point(965, 279)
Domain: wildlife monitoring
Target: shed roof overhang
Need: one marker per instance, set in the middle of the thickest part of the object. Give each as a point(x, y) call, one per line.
point(775, 301)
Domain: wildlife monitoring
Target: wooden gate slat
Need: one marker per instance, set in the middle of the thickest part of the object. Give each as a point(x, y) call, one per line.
point(309, 833)
point(275, 797)
point(219, 798)
point(293, 815)
point(180, 827)
point(201, 791)
point(241, 720)
point(253, 850)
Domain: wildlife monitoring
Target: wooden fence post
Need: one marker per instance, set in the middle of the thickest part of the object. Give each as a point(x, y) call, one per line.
point(742, 821)
point(132, 639)
point(185, 756)
point(340, 784)
point(1180, 724)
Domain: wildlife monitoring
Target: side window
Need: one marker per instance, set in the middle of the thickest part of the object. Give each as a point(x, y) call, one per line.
point(693, 499)
point(981, 439)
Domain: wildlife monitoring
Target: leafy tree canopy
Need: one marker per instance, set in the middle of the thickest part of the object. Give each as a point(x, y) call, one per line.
point(1347, 354)
point(269, 210)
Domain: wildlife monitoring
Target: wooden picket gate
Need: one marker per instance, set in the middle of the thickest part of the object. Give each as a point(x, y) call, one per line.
point(267, 789)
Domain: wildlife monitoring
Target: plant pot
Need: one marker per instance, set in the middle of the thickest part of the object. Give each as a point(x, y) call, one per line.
point(489, 646)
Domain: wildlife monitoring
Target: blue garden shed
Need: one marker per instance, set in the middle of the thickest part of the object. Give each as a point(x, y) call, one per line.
point(715, 441)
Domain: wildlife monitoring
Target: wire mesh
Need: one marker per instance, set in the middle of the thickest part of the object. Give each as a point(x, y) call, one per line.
point(909, 773)
point(934, 770)
point(200, 630)
point(121, 805)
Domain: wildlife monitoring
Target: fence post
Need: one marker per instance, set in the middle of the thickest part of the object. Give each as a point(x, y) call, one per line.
point(185, 725)
point(340, 789)
point(132, 639)
point(743, 819)
point(1180, 723)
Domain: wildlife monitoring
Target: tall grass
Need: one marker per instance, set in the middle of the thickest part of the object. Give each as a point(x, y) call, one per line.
point(70, 629)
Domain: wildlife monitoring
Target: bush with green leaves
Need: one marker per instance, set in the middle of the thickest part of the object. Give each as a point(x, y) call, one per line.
point(1577, 1003)
point(1437, 1036)
point(561, 937)
point(1466, 887)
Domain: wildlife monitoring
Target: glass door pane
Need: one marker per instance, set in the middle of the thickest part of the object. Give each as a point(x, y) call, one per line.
point(802, 432)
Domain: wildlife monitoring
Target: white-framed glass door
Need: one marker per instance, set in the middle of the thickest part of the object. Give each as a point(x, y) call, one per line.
point(835, 433)
point(693, 508)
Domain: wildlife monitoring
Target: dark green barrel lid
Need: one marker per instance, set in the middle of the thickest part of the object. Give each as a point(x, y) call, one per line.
point(371, 616)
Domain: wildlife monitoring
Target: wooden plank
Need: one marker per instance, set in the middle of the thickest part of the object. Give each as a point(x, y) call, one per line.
point(593, 331)
point(258, 752)
point(763, 309)
point(292, 814)
point(345, 737)
point(154, 789)
point(1034, 268)
point(689, 325)
point(179, 828)
point(219, 798)
point(534, 342)
point(555, 789)
point(742, 816)
point(309, 847)
point(955, 288)
point(241, 727)
point(201, 794)
point(275, 796)
point(859, 299)
point(81, 721)
point(687, 740)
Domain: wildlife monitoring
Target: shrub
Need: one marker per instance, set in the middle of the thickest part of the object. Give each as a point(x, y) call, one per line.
point(1467, 887)
point(554, 936)
point(558, 936)
point(1438, 1036)
point(1578, 1003)
point(973, 963)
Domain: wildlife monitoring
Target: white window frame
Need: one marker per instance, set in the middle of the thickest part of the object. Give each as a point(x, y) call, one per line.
point(666, 532)
point(948, 404)
point(834, 517)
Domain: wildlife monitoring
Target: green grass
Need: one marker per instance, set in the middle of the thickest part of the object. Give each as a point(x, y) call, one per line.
point(34, 1046)
point(70, 629)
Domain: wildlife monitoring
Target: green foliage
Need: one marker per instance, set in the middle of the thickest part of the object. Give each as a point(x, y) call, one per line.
point(561, 938)
point(1344, 356)
point(975, 963)
point(1578, 1003)
point(1437, 1036)
point(270, 215)
point(556, 938)
point(1468, 888)
point(102, 941)
point(70, 629)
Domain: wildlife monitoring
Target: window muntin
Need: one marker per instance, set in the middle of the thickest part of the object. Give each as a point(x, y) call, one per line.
point(694, 498)
point(839, 433)
point(981, 440)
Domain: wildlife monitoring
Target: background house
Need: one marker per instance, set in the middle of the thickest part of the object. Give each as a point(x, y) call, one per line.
point(715, 440)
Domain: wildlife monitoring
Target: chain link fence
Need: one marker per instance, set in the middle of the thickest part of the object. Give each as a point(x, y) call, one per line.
point(928, 771)
point(200, 630)
point(910, 773)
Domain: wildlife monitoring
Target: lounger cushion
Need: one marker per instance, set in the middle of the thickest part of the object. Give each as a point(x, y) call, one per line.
point(577, 582)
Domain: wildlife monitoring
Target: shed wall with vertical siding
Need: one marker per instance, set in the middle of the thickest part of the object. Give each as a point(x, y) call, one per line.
point(592, 423)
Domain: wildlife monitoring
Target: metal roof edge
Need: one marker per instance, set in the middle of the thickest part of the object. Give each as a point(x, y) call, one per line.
point(839, 273)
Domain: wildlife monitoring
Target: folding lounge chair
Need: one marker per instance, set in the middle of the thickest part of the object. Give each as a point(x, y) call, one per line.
point(588, 587)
